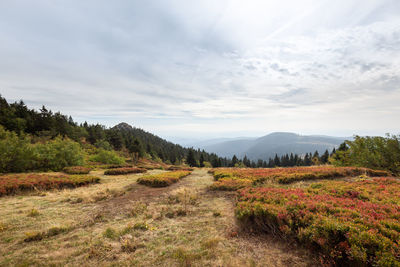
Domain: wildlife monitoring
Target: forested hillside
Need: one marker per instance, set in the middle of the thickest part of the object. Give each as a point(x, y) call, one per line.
point(45, 125)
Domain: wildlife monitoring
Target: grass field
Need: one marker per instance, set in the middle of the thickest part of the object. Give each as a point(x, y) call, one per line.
point(121, 223)
point(345, 219)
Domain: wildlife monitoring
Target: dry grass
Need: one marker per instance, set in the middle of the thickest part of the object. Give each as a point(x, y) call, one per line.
point(104, 225)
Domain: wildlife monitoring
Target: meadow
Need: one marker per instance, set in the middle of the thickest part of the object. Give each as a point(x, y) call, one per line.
point(119, 221)
point(348, 216)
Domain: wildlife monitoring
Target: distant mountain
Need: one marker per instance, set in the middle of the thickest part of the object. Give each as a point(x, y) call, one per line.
point(215, 141)
point(275, 143)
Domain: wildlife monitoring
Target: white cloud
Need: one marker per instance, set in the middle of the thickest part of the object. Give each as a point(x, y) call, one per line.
point(209, 67)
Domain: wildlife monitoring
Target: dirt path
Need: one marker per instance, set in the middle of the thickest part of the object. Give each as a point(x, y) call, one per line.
point(184, 224)
point(263, 250)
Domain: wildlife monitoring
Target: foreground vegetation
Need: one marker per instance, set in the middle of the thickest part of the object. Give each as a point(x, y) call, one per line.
point(120, 223)
point(350, 223)
point(234, 178)
point(77, 170)
point(344, 213)
point(163, 179)
point(347, 216)
point(374, 152)
point(12, 184)
point(126, 170)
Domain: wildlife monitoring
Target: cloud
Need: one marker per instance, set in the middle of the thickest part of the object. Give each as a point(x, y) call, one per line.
point(181, 67)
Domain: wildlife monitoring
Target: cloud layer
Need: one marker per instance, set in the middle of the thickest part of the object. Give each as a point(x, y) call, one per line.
point(203, 69)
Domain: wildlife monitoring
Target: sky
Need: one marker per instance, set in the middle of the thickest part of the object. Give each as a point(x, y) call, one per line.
point(206, 69)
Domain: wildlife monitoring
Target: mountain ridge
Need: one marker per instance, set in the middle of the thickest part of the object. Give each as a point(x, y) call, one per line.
point(267, 146)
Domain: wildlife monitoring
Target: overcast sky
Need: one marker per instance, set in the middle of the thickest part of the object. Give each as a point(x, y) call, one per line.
point(203, 69)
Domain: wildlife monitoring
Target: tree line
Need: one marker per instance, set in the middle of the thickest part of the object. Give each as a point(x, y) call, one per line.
point(23, 126)
point(287, 160)
point(44, 125)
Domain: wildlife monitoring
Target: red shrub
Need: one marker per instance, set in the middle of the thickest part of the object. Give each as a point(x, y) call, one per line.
point(121, 171)
point(351, 223)
point(11, 184)
point(163, 179)
point(77, 170)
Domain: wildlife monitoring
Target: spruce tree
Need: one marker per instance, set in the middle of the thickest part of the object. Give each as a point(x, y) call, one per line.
point(325, 157)
point(190, 159)
point(277, 161)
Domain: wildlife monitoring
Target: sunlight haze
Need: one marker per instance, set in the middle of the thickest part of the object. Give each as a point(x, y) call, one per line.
point(205, 69)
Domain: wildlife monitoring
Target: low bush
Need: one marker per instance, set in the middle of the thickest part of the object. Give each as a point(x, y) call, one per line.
point(77, 170)
point(179, 168)
point(110, 233)
point(115, 166)
point(58, 154)
point(33, 213)
point(121, 171)
point(349, 223)
point(53, 231)
point(290, 175)
point(141, 226)
point(12, 184)
point(230, 184)
point(163, 179)
point(107, 157)
point(18, 154)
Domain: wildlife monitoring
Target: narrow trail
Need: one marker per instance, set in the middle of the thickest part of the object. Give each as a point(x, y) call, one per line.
point(140, 193)
point(184, 224)
point(243, 248)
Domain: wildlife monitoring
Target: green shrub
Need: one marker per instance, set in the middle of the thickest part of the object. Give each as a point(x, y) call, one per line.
point(141, 226)
point(107, 157)
point(16, 153)
point(58, 154)
point(102, 144)
point(380, 153)
point(33, 213)
point(110, 233)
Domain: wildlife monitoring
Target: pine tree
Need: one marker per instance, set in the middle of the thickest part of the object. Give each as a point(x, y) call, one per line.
point(292, 162)
point(277, 161)
point(246, 161)
point(271, 163)
point(234, 161)
point(307, 160)
point(201, 160)
point(259, 163)
point(190, 160)
point(325, 157)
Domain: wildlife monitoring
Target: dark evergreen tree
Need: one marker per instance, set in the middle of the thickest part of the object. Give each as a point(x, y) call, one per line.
point(307, 160)
point(343, 147)
point(201, 160)
point(234, 161)
point(259, 163)
point(271, 163)
point(190, 159)
point(246, 161)
point(325, 157)
point(277, 161)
